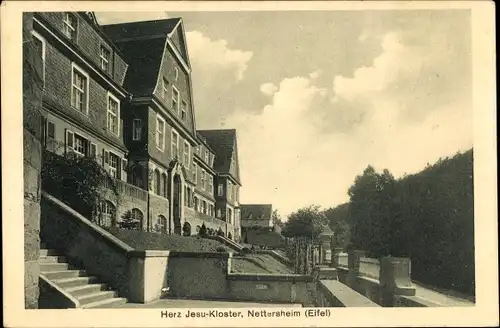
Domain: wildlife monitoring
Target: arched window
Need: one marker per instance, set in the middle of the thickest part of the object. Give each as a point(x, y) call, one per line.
point(157, 188)
point(136, 177)
point(164, 185)
point(161, 224)
point(136, 215)
point(108, 211)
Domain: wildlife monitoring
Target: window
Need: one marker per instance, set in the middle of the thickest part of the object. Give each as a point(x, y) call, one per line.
point(80, 145)
point(157, 182)
point(183, 110)
point(79, 89)
point(137, 217)
point(203, 179)
point(70, 26)
point(161, 224)
point(164, 184)
point(136, 129)
point(186, 196)
point(186, 154)
point(229, 215)
point(195, 168)
point(113, 114)
point(219, 213)
point(176, 73)
point(175, 100)
point(204, 208)
point(114, 165)
point(220, 190)
point(210, 184)
point(160, 133)
point(105, 58)
point(175, 144)
point(51, 130)
point(164, 88)
point(108, 211)
point(195, 203)
point(39, 43)
point(229, 189)
point(206, 155)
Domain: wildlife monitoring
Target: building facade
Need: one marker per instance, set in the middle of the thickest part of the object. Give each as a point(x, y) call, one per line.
point(123, 94)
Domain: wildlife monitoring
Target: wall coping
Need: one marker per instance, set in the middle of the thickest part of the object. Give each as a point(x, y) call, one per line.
point(344, 294)
point(198, 254)
point(419, 300)
point(106, 235)
point(269, 277)
point(73, 300)
point(149, 253)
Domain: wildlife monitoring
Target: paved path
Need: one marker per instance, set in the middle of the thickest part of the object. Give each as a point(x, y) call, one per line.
point(183, 303)
point(445, 299)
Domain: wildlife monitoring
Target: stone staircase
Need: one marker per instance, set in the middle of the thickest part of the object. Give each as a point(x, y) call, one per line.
point(88, 290)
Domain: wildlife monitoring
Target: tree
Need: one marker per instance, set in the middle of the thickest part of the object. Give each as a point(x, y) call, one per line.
point(76, 180)
point(307, 222)
point(276, 219)
point(186, 229)
point(337, 220)
point(203, 230)
point(128, 222)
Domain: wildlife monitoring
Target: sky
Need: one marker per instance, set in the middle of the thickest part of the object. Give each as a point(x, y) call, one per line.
point(317, 96)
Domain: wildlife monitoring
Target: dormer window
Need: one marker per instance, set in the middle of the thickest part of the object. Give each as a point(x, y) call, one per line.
point(164, 88)
point(175, 99)
point(183, 110)
point(70, 24)
point(105, 58)
point(176, 73)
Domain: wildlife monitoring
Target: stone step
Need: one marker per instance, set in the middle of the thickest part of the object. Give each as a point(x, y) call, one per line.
point(52, 259)
point(86, 289)
point(45, 252)
point(75, 281)
point(51, 267)
point(106, 304)
point(96, 297)
point(52, 275)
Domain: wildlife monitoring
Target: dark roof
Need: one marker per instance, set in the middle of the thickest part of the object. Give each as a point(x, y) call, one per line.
point(142, 45)
point(257, 211)
point(144, 29)
point(223, 143)
point(144, 59)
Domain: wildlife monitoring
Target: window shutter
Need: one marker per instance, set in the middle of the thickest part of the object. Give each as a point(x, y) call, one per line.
point(93, 150)
point(69, 140)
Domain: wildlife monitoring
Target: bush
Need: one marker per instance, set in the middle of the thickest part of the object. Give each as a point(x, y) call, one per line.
point(220, 249)
point(245, 250)
point(77, 181)
point(186, 229)
point(203, 230)
point(128, 222)
point(220, 232)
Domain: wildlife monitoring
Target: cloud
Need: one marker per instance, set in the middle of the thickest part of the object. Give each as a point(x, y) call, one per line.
point(115, 17)
point(216, 55)
point(314, 75)
point(268, 89)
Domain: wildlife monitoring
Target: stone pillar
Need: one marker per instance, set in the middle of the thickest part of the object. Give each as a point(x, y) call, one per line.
point(395, 279)
point(32, 161)
point(334, 263)
point(353, 259)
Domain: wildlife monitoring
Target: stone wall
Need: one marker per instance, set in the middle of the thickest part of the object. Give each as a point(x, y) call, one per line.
point(32, 117)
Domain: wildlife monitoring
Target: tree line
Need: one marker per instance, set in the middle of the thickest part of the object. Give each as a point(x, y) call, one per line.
point(427, 216)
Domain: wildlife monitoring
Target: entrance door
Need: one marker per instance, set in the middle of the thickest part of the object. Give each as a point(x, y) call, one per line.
point(177, 204)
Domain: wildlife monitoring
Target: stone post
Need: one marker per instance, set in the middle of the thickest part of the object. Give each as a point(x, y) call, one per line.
point(395, 279)
point(334, 263)
point(353, 259)
point(32, 161)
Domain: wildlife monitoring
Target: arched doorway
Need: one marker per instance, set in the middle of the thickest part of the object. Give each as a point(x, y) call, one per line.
point(177, 189)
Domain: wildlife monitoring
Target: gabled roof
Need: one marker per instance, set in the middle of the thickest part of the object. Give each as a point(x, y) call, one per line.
point(223, 143)
point(142, 45)
point(144, 29)
point(256, 211)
